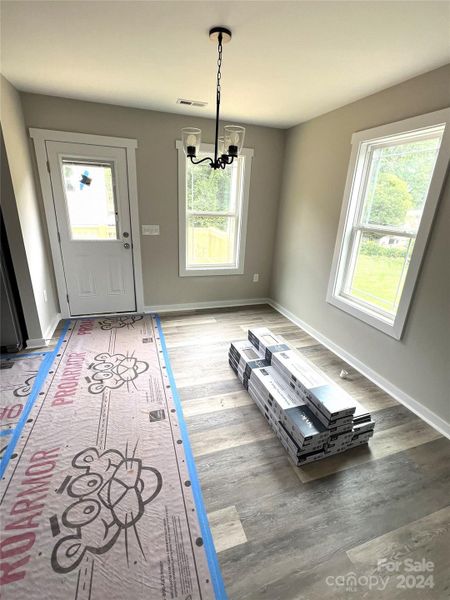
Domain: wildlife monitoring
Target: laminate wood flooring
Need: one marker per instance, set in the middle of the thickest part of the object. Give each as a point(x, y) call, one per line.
point(284, 533)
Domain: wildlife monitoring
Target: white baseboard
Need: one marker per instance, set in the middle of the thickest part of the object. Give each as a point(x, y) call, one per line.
point(416, 407)
point(164, 308)
point(53, 325)
point(33, 343)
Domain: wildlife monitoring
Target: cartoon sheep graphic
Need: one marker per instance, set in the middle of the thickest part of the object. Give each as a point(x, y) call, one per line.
point(112, 371)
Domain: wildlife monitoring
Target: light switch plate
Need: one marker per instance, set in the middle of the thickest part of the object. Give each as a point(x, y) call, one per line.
point(150, 229)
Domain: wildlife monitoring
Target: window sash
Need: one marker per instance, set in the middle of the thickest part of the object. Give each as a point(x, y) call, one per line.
point(385, 230)
point(415, 135)
point(204, 266)
point(365, 159)
point(211, 213)
point(239, 165)
point(350, 265)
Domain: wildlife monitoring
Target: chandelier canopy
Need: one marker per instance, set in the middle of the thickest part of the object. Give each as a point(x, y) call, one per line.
point(228, 146)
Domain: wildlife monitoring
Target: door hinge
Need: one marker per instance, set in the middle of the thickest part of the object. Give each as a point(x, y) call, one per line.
point(59, 236)
point(67, 296)
point(48, 166)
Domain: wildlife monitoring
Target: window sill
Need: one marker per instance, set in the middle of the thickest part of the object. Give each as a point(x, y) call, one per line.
point(210, 272)
point(392, 328)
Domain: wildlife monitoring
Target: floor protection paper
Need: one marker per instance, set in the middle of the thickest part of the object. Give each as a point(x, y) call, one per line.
point(101, 499)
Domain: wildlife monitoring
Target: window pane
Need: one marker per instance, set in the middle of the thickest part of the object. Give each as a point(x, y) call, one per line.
point(398, 182)
point(211, 241)
point(90, 200)
point(211, 189)
point(380, 266)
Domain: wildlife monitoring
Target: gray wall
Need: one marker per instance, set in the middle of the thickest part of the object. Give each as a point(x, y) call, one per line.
point(316, 161)
point(316, 157)
point(24, 223)
point(156, 133)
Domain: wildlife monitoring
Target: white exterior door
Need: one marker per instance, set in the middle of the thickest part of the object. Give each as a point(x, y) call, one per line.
point(90, 191)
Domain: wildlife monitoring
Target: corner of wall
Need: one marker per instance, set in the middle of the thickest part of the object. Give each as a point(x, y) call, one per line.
point(27, 232)
point(275, 245)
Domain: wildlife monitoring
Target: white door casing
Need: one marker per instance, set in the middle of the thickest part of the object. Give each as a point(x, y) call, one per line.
point(93, 276)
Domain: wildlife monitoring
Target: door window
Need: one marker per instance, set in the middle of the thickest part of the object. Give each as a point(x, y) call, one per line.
point(90, 200)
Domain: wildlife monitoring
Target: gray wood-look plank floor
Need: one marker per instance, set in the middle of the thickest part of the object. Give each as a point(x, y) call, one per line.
point(284, 533)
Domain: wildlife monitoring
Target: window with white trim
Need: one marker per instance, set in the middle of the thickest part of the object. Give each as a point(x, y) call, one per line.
point(212, 214)
point(394, 180)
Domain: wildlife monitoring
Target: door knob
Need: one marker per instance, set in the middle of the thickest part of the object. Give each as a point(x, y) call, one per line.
point(126, 245)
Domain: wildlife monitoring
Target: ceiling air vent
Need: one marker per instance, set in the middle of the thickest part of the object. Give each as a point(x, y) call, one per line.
point(185, 102)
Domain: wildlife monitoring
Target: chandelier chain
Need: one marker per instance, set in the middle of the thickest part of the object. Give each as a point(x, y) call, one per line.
point(219, 66)
point(223, 156)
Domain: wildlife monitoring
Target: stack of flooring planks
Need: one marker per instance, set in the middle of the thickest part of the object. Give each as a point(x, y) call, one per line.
point(312, 417)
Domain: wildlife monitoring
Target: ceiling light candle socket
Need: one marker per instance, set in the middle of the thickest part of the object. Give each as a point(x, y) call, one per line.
point(226, 148)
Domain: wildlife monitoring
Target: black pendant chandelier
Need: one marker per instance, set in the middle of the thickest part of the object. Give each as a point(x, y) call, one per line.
point(226, 148)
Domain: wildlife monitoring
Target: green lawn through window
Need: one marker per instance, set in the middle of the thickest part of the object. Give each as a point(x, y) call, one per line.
point(376, 280)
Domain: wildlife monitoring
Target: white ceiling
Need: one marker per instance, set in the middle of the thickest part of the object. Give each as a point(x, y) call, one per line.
point(288, 61)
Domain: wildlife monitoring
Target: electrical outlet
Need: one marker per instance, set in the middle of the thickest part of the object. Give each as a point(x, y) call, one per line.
point(150, 229)
point(255, 277)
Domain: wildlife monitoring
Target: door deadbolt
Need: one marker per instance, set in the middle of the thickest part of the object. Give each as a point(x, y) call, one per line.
point(125, 234)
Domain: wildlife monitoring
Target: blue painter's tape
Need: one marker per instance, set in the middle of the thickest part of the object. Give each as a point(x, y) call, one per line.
point(6, 432)
point(13, 356)
point(38, 383)
point(213, 563)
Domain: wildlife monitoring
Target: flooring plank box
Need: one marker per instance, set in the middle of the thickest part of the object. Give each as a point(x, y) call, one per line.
point(318, 389)
point(262, 404)
point(360, 415)
point(275, 391)
point(357, 443)
point(303, 425)
point(363, 427)
point(295, 448)
point(300, 461)
point(245, 349)
point(244, 370)
point(341, 439)
point(362, 437)
point(311, 415)
point(332, 401)
point(266, 342)
point(266, 407)
point(291, 410)
point(335, 425)
point(297, 458)
point(243, 359)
